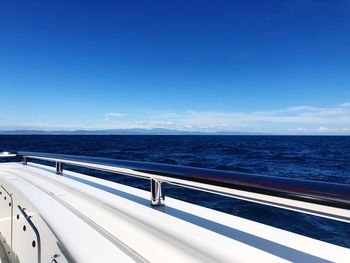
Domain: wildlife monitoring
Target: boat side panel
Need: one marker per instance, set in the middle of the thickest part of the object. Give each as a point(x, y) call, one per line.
point(32, 240)
point(6, 221)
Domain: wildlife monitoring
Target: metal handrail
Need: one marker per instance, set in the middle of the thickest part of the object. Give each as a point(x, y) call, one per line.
point(330, 200)
point(8, 154)
point(35, 230)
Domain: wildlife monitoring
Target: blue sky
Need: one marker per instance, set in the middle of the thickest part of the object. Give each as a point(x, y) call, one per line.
point(268, 66)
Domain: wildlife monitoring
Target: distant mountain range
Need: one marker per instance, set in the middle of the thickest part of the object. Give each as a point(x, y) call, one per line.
point(156, 131)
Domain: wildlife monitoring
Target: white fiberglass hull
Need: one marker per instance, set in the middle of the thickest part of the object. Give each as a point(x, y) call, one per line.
point(85, 219)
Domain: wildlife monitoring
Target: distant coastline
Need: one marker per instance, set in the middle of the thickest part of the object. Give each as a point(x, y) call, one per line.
point(156, 131)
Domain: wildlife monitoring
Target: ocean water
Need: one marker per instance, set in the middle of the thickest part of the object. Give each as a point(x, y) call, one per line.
point(321, 158)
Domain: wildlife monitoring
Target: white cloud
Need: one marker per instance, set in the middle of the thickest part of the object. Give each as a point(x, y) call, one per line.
point(302, 119)
point(292, 115)
point(45, 126)
point(112, 115)
point(345, 104)
point(323, 129)
point(308, 118)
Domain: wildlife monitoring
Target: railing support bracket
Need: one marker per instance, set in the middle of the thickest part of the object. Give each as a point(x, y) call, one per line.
point(157, 193)
point(59, 169)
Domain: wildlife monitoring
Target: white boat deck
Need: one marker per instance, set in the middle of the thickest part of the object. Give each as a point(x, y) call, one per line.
point(95, 220)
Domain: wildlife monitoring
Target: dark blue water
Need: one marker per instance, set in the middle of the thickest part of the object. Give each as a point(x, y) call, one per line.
point(314, 158)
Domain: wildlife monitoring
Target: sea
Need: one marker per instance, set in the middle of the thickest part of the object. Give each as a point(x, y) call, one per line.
point(319, 158)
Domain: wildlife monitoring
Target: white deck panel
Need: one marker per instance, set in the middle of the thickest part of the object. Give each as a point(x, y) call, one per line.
point(110, 220)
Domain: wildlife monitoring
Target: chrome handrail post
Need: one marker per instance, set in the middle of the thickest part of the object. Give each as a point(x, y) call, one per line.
point(157, 193)
point(24, 160)
point(59, 169)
